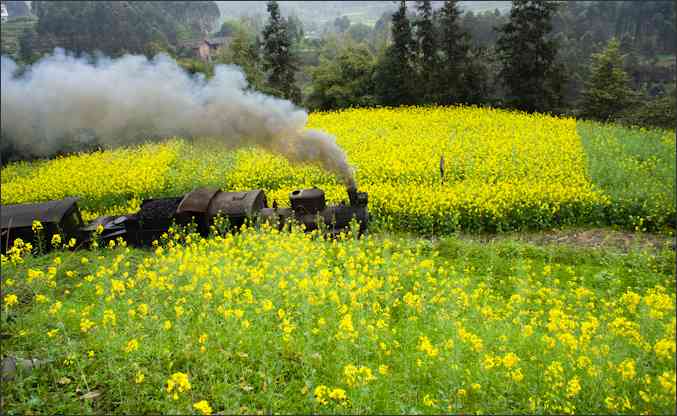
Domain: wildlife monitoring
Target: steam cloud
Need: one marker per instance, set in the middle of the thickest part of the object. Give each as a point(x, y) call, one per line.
point(62, 101)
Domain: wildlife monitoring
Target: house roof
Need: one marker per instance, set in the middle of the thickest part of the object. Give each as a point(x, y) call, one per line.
point(217, 40)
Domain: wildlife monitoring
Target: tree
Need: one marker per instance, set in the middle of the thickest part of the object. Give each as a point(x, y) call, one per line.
point(278, 60)
point(228, 28)
point(427, 48)
point(295, 29)
point(345, 81)
point(527, 56)
point(26, 52)
point(115, 27)
point(359, 32)
point(474, 85)
point(395, 75)
point(454, 47)
point(342, 24)
point(607, 92)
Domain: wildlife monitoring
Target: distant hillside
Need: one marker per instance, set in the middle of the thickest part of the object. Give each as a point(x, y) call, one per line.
point(116, 27)
point(357, 11)
point(481, 6)
point(10, 32)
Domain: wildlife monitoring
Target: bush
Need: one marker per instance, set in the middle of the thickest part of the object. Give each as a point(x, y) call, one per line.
point(659, 112)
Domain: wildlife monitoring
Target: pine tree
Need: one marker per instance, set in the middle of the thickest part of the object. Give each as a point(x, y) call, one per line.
point(454, 46)
point(278, 59)
point(607, 92)
point(395, 75)
point(527, 56)
point(426, 42)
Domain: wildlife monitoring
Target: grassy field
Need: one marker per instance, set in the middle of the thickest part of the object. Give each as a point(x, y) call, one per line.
point(431, 321)
point(263, 321)
point(636, 169)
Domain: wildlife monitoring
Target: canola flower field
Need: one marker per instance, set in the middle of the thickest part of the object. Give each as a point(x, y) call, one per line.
point(503, 171)
point(262, 321)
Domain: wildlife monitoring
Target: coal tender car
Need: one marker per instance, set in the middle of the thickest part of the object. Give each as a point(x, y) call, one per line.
point(201, 207)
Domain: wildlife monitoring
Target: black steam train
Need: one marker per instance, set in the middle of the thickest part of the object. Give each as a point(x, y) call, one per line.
point(200, 207)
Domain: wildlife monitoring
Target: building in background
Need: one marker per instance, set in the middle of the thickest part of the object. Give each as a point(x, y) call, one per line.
point(208, 47)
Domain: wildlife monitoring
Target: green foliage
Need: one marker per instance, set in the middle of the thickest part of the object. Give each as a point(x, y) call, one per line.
point(258, 320)
point(278, 58)
point(11, 32)
point(295, 30)
point(607, 92)
point(636, 168)
point(26, 51)
point(481, 27)
point(657, 112)
point(345, 81)
point(426, 49)
point(196, 66)
point(454, 47)
point(359, 32)
point(117, 27)
point(395, 73)
point(527, 55)
point(229, 28)
point(341, 24)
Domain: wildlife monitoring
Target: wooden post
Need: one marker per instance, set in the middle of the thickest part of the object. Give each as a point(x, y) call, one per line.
point(442, 168)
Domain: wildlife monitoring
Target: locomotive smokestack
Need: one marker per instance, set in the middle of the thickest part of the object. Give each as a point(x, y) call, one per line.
point(357, 198)
point(352, 194)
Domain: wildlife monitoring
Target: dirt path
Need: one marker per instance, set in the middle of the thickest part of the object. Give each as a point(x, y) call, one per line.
point(586, 238)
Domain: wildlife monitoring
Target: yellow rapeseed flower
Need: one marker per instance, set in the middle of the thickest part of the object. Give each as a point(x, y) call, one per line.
point(203, 407)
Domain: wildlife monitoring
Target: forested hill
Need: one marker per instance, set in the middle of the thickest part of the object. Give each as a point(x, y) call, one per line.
point(115, 27)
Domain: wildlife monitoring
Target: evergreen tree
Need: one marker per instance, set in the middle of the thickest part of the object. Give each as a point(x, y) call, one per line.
point(607, 92)
point(454, 46)
point(527, 56)
point(395, 75)
point(426, 42)
point(474, 85)
point(26, 52)
point(277, 56)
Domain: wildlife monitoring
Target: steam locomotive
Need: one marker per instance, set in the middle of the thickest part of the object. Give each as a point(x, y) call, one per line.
point(200, 207)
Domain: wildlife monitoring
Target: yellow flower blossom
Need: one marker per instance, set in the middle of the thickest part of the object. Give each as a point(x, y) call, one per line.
point(132, 345)
point(11, 299)
point(178, 383)
point(203, 407)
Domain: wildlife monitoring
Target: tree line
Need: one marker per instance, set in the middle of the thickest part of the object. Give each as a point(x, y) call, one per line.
point(602, 60)
point(575, 58)
point(116, 27)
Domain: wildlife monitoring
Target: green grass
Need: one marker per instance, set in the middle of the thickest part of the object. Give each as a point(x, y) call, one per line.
point(636, 169)
point(396, 291)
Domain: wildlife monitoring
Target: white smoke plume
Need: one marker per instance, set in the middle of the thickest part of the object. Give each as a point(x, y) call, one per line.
point(62, 101)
